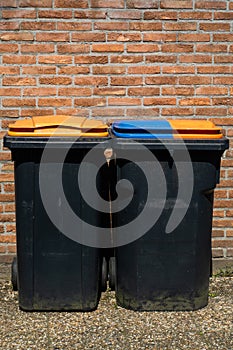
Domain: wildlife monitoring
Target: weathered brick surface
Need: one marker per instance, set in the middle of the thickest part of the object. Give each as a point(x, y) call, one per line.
point(118, 58)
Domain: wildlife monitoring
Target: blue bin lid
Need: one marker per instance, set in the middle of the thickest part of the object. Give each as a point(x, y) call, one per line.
point(143, 129)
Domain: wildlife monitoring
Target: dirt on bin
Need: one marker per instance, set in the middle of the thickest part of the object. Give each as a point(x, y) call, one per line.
point(112, 327)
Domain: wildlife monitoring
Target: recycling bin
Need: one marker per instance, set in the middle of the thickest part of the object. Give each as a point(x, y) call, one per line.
point(165, 264)
point(56, 270)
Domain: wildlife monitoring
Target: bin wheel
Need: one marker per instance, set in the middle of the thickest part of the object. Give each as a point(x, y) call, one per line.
point(14, 274)
point(112, 273)
point(104, 277)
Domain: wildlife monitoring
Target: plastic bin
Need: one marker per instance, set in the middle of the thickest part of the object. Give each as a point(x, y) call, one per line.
point(55, 272)
point(164, 270)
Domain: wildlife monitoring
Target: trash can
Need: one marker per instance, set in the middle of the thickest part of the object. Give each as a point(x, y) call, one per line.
point(55, 271)
point(166, 268)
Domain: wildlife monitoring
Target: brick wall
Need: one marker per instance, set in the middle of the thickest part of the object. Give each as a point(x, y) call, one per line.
point(168, 58)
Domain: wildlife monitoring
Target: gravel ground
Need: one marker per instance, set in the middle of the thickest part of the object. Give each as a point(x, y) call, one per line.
point(112, 327)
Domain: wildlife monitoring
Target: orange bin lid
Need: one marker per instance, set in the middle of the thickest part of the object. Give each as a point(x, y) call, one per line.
point(59, 125)
point(195, 129)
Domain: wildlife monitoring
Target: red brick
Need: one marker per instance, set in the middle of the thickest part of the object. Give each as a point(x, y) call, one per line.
point(90, 14)
point(124, 101)
point(88, 37)
point(145, 4)
point(89, 102)
point(55, 80)
point(71, 91)
point(195, 15)
point(11, 248)
point(160, 37)
point(109, 91)
point(82, 112)
point(7, 238)
point(76, 26)
point(107, 47)
point(73, 48)
point(142, 48)
point(107, 112)
point(7, 177)
point(58, 59)
point(71, 3)
point(226, 15)
point(173, 111)
point(210, 111)
point(54, 14)
point(229, 233)
point(217, 253)
point(222, 242)
point(176, 4)
point(223, 58)
point(178, 91)
point(126, 59)
point(35, 3)
point(223, 203)
point(42, 25)
point(215, 27)
point(211, 90)
point(228, 101)
point(143, 112)
point(9, 207)
point(13, 59)
point(126, 81)
point(143, 91)
point(111, 26)
point(7, 197)
point(158, 101)
point(9, 48)
point(223, 37)
point(217, 233)
point(124, 37)
point(9, 25)
point(9, 3)
point(161, 59)
point(211, 48)
point(193, 37)
point(194, 80)
point(229, 252)
point(91, 59)
point(54, 102)
point(18, 81)
point(223, 80)
point(37, 48)
point(161, 80)
point(10, 92)
point(160, 15)
point(39, 70)
point(218, 213)
point(16, 102)
point(52, 36)
point(36, 112)
point(214, 4)
point(195, 58)
point(231, 6)
point(178, 70)
point(40, 91)
point(126, 14)
point(176, 26)
point(109, 70)
point(145, 26)
point(71, 70)
point(177, 48)
point(107, 3)
point(91, 81)
point(144, 70)
point(18, 14)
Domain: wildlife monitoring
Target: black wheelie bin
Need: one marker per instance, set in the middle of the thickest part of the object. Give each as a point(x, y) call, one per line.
point(56, 271)
point(166, 266)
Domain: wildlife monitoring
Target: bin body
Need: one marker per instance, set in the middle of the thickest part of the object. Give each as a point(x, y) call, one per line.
point(168, 271)
point(54, 272)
